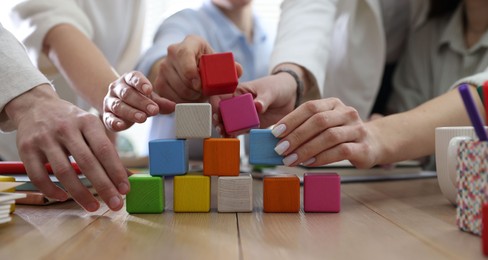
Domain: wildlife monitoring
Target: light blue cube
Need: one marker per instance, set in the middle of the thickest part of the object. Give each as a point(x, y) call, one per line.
point(168, 157)
point(261, 148)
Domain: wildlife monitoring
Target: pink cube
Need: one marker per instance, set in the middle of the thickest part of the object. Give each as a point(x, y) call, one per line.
point(239, 114)
point(322, 192)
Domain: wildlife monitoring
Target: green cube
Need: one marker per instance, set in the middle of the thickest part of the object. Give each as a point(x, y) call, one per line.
point(146, 194)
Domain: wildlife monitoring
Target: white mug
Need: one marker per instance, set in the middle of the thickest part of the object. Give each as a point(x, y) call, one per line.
point(446, 143)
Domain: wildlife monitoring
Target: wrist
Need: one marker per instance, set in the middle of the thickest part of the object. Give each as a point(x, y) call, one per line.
point(27, 101)
point(296, 74)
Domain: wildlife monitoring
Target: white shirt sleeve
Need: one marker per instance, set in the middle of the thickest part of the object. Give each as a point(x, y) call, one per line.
point(17, 74)
point(34, 19)
point(476, 79)
point(304, 34)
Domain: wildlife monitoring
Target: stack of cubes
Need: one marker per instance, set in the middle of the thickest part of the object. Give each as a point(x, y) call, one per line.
point(321, 191)
point(169, 157)
point(221, 158)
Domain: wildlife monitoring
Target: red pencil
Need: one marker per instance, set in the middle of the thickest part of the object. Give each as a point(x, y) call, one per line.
point(18, 168)
point(485, 99)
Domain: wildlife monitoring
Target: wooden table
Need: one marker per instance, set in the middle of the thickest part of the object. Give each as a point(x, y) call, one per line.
point(379, 220)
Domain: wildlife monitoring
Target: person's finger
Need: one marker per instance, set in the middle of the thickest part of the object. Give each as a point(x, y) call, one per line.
point(37, 172)
point(165, 106)
point(356, 153)
point(107, 155)
point(114, 123)
point(67, 176)
point(185, 64)
point(99, 161)
point(125, 112)
point(322, 142)
point(137, 80)
point(321, 122)
point(132, 98)
point(296, 118)
point(188, 54)
point(178, 85)
point(239, 69)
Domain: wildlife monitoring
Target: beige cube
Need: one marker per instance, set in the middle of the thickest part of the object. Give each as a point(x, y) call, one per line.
point(193, 120)
point(235, 193)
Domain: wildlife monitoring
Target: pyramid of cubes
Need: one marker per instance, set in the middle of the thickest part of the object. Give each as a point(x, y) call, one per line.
point(221, 156)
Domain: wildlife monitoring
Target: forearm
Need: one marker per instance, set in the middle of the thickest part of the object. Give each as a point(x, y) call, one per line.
point(411, 134)
point(80, 62)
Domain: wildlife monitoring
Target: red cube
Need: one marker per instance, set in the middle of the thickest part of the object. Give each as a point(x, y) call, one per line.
point(218, 73)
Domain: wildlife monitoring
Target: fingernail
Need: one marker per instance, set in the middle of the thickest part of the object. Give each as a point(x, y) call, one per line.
point(145, 88)
point(215, 117)
point(118, 124)
point(139, 116)
point(92, 206)
point(218, 130)
point(290, 159)
point(278, 130)
point(123, 188)
point(310, 161)
point(152, 109)
point(282, 147)
point(114, 202)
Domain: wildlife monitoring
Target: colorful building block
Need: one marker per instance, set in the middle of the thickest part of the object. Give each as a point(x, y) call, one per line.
point(168, 157)
point(146, 194)
point(9, 179)
point(193, 120)
point(235, 193)
point(191, 193)
point(221, 157)
point(321, 192)
point(239, 114)
point(281, 193)
point(218, 73)
point(261, 148)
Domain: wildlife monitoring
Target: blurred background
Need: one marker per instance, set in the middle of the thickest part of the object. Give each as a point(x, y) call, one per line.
point(156, 11)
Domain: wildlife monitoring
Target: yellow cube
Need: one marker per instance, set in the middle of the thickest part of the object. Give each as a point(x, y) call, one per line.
point(191, 193)
point(9, 179)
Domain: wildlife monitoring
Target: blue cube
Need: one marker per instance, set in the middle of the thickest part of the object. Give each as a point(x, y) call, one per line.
point(168, 157)
point(261, 148)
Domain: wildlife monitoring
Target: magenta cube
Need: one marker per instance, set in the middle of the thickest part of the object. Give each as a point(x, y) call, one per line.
point(239, 114)
point(321, 192)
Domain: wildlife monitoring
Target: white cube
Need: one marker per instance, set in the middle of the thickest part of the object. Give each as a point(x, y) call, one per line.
point(235, 193)
point(193, 120)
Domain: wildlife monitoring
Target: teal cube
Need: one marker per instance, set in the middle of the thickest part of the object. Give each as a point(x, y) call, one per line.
point(146, 194)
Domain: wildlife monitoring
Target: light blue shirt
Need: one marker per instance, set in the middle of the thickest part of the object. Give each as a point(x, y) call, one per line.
point(211, 24)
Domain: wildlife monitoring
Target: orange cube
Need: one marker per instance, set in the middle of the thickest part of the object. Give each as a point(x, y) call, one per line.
point(281, 193)
point(221, 157)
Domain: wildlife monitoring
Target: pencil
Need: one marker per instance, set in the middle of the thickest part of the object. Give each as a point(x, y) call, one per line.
point(473, 114)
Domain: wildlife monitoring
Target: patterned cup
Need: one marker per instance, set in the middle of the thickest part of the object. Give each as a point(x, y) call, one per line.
point(472, 172)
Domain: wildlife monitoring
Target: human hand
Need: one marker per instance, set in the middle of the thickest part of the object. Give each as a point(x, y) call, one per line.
point(130, 99)
point(324, 131)
point(274, 97)
point(49, 130)
point(177, 77)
